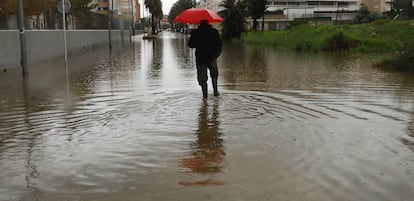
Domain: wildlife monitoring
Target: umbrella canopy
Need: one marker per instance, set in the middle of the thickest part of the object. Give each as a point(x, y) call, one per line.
point(195, 15)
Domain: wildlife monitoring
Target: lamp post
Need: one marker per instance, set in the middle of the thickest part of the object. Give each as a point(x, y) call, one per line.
point(133, 17)
point(23, 60)
point(64, 32)
point(337, 11)
point(64, 7)
point(110, 13)
point(130, 12)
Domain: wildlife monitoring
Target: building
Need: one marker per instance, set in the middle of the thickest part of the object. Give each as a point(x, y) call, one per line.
point(281, 12)
point(137, 11)
point(124, 7)
point(377, 6)
point(103, 6)
point(213, 5)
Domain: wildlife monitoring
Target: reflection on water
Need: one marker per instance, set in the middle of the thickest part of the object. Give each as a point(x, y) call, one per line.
point(207, 152)
point(409, 140)
point(132, 125)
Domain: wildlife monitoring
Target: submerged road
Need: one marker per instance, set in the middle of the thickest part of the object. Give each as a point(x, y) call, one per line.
point(132, 125)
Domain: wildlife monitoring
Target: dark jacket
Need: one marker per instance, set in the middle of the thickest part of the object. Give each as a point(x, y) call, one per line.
point(207, 42)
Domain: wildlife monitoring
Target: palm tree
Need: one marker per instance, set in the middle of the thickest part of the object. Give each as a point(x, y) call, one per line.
point(155, 8)
point(179, 7)
point(234, 15)
point(257, 9)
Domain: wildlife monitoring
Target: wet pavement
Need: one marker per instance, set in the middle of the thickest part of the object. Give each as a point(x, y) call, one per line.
point(132, 125)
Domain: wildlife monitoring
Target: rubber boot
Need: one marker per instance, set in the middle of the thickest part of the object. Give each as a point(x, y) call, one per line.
point(214, 81)
point(204, 89)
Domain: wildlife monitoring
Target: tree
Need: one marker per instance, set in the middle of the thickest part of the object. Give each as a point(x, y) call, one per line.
point(158, 14)
point(179, 7)
point(7, 8)
point(81, 10)
point(33, 8)
point(402, 9)
point(364, 16)
point(234, 14)
point(155, 8)
point(30, 9)
point(257, 9)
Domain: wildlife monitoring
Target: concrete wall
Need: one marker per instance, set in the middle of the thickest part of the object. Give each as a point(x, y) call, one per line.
point(9, 49)
point(48, 44)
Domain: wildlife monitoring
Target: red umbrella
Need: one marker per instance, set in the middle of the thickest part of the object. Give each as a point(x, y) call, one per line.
point(195, 15)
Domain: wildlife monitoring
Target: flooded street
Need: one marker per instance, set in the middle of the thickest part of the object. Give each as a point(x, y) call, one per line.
point(132, 125)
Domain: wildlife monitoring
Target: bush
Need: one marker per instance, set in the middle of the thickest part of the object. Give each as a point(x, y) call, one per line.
point(339, 41)
point(298, 22)
point(365, 16)
point(404, 60)
point(380, 22)
point(307, 46)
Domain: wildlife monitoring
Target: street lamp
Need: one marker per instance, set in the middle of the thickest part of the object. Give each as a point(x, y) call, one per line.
point(133, 17)
point(23, 60)
point(110, 13)
point(64, 7)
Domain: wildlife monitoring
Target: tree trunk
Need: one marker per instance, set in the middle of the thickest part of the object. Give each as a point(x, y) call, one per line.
point(254, 24)
point(37, 22)
point(263, 22)
point(152, 25)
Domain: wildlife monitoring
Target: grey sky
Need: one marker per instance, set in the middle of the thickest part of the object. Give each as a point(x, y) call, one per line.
point(166, 6)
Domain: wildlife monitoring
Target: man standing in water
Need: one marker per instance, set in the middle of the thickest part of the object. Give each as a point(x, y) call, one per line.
point(208, 46)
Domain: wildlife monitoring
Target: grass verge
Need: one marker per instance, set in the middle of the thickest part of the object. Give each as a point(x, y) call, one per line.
point(379, 36)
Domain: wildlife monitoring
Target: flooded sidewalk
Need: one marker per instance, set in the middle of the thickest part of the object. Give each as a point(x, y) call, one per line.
point(132, 125)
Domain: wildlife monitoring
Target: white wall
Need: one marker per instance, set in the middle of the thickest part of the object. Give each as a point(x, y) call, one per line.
point(47, 44)
point(9, 48)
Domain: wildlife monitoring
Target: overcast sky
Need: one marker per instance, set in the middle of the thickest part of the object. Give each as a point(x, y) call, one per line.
point(166, 6)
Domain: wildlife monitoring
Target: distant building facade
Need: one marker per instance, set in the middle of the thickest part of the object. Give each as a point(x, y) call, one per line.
point(377, 6)
point(127, 8)
point(214, 5)
point(137, 11)
point(280, 13)
point(103, 6)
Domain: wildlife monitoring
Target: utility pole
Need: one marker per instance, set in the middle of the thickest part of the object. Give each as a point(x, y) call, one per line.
point(110, 13)
point(64, 33)
point(133, 17)
point(337, 10)
point(23, 60)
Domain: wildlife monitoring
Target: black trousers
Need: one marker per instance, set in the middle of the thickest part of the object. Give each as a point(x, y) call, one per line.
point(202, 71)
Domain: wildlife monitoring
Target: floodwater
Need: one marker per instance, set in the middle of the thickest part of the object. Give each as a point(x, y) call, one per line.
point(132, 125)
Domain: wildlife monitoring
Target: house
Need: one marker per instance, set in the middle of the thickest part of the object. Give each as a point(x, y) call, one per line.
point(377, 6)
point(280, 13)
